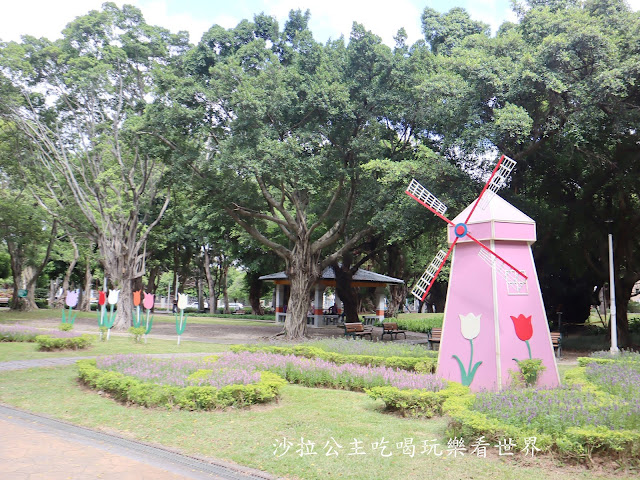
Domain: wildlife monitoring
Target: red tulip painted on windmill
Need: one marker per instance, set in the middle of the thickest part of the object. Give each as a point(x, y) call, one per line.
point(524, 329)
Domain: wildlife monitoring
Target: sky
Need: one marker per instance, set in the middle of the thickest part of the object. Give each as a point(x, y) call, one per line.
point(329, 18)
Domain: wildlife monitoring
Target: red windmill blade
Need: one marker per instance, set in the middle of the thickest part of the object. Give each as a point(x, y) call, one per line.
point(416, 191)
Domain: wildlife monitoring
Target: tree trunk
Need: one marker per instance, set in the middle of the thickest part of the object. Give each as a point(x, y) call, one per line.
point(225, 295)
point(125, 305)
point(211, 282)
point(255, 292)
point(303, 271)
point(60, 303)
point(624, 289)
point(20, 273)
point(395, 268)
point(85, 306)
point(345, 291)
point(53, 288)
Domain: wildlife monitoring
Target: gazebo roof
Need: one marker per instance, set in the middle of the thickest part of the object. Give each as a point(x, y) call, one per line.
point(360, 278)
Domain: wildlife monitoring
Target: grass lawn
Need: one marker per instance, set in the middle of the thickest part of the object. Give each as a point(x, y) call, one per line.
point(26, 351)
point(249, 437)
point(10, 316)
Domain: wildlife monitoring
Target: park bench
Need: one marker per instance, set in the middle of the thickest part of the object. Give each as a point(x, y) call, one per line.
point(391, 329)
point(434, 337)
point(556, 340)
point(356, 330)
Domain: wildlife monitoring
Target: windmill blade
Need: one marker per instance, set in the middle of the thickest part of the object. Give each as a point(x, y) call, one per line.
point(492, 263)
point(427, 199)
point(516, 285)
point(496, 181)
point(428, 278)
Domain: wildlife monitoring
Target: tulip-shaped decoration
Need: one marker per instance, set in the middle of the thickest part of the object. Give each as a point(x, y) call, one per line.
point(112, 299)
point(470, 328)
point(102, 311)
point(524, 329)
point(71, 301)
point(148, 304)
point(136, 303)
point(182, 322)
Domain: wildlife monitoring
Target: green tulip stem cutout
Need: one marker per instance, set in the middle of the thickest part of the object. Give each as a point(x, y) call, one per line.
point(181, 324)
point(467, 375)
point(148, 324)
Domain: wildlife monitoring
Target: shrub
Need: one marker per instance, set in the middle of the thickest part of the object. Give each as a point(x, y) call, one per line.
point(137, 333)
point(528, 372)
point(422, 325)
point(194, 397)
point(65, 327)
point(577, 420)
point(416, 402)
point(48, 343)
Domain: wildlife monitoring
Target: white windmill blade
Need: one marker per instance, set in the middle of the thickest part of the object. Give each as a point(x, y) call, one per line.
point(497, 181)
point(422, 285)
point(425, 197)
point(516, 284)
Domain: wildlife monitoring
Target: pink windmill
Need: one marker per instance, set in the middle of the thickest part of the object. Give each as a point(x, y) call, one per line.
point(490, 301)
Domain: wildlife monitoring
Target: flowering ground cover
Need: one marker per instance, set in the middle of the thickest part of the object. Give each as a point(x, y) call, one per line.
point(245, 367)
point(597, 411)
point(349, 346)
point(21, 333)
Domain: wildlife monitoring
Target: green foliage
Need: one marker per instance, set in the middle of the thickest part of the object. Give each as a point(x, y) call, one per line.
point(571, 441)
point(128, 389)
point(418, 403)
point(47, 343)
point(65, 327)
point(529, 371)
point(423, 325)
point(417, 364)
point(137, 333)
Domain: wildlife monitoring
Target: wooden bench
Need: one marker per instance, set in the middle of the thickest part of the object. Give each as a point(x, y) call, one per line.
point(391, 329)
point(434, 337)
point(356, 330)
point(556, 340)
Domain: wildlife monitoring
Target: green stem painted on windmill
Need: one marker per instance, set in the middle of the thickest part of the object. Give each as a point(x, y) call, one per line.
point(466, 377)
point(528, 347)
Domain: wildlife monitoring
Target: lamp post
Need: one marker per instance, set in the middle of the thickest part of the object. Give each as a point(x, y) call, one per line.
point(612, 291)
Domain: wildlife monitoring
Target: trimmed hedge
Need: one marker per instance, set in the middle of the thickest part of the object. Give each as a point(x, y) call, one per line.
point(129, 389)
point(48, 343)
point(417, 403)
point(416, 364)
point(574, 442)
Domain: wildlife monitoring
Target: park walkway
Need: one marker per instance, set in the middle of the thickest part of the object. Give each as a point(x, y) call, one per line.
point(34, 447)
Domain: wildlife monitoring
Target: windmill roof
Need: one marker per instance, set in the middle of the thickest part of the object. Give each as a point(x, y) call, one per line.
point(498, 210)
point(328, 274)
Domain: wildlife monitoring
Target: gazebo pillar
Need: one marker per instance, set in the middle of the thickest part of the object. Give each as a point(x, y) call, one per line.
point(380, 297)
point(318, 311)
point(338, 304)
point(279, 301)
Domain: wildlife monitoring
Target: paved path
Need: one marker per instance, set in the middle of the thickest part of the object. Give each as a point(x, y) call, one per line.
point(34, 447)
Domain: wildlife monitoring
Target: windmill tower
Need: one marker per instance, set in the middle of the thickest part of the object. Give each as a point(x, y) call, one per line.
point(494, 312)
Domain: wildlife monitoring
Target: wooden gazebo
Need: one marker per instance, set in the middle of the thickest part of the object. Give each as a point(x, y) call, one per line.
point(362, 278)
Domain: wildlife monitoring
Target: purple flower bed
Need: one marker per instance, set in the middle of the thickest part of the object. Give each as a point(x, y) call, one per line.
point(176, 371)
point(244, 368)
point(553, 411)
point(617, 378)
point(318, 372)
point(20, 333)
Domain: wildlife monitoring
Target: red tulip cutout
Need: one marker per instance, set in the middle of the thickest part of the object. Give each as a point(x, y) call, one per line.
point(524, 329)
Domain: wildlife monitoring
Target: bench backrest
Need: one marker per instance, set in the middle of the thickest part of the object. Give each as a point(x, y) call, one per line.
point(389, 326)
point(354, 327)
point(436, 333)
point(555, 337)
